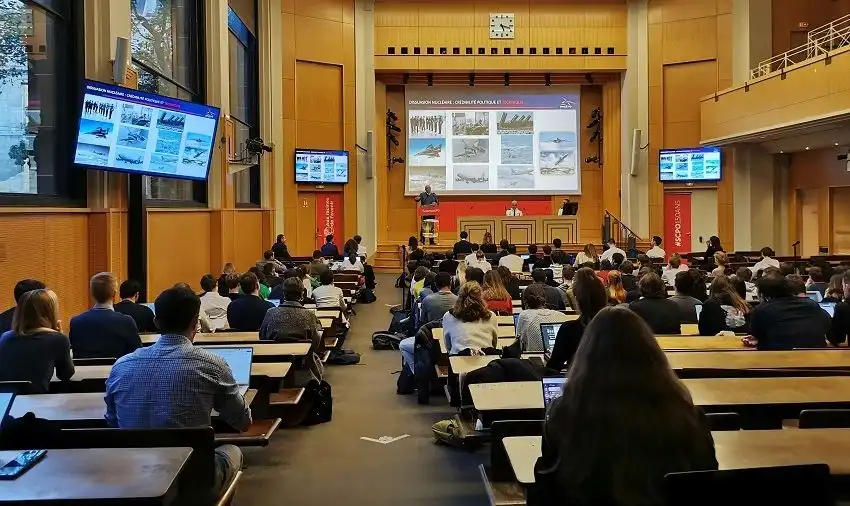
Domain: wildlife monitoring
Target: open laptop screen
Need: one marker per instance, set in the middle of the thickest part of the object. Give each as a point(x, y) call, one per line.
point(552, 388)
point(516, 320)
point(829, 307)
point(815, 296)
point(548, 331)
point(238, 358)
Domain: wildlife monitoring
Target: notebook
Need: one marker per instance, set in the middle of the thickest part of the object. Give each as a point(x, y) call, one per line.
point(552, 389)
point(239, 359)
point(548, 331)
point(829, 307)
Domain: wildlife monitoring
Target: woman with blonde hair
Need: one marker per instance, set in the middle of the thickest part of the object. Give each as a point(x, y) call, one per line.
point(587, 256)
point(721, 259)
point(497, 296)
point(221, 285)
point(616, 292)
point(460, 276)
point(36, 345)
point(469, 325)
point(487, 244)
point(724, 309)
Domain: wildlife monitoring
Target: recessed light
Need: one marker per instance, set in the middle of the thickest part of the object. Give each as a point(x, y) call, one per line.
point(762, 137)
point(836, 144)
point(781, 152)
point(807, 148)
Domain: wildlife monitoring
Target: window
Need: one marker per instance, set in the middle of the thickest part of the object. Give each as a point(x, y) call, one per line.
point(37, 103)
point(166, 43)
point(243, 103)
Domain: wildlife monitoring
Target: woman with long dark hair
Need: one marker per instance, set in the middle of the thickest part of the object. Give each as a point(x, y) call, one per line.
point(725, 309)
point(623, 422)
point(498, 299)
point(469, 325)
point(590, 298)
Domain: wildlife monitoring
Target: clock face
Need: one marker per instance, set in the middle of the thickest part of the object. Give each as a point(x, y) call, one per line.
point(502, 26)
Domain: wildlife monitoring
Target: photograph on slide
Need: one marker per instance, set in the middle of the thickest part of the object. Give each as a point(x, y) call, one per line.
point(556, 141)
point(518, 149)
point(427, 124)
point(470, 150)
point(515, 122)
point(558, 162)
point(470, 123)
point(421, 176)
point(430, 152)
point(515, 177)
point(471, 177)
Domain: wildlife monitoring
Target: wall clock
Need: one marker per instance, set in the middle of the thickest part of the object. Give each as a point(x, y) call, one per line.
point(502, 25)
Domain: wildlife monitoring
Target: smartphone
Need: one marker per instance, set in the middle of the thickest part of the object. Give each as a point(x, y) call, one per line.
point(21, 464)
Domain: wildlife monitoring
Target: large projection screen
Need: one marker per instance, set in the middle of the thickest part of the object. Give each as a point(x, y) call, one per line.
point(474, 141)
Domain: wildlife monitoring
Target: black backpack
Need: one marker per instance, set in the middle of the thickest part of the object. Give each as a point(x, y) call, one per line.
point(318, 394)
point(366, 296)
point(384, 340)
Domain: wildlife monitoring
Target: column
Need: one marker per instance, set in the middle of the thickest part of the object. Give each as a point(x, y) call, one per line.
point(364, 42)
point(634, 196)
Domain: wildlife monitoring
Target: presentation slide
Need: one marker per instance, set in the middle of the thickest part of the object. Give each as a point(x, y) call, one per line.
point(697, 164)
point(321, 166)
point(468, 141)
point(132, 131)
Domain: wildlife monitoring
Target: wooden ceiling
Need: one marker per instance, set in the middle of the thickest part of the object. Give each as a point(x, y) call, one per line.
point(494, 78)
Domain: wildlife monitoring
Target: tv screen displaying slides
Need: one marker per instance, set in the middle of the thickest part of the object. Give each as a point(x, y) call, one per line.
point(319, 166)
point(133, 131)
point(697, 164)
point(515, 140)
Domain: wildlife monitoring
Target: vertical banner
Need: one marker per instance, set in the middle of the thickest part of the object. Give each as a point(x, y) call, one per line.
point(677, 223)
point(329, 218)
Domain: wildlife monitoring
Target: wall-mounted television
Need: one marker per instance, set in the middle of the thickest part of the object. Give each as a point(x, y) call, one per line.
point(320, 166)
point(688, 165)
point(133, 131)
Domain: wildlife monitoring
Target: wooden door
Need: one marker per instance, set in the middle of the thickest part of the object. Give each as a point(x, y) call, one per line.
point(704, 218)
point(305, 226)
point(809, 222)
point(840, 220)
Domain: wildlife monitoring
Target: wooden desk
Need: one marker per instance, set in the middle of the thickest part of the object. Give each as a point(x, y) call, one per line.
point(509, 395)
point(708, 343)
point(272, 370)
point(320, 313)
point(138, 476)
point(505, 320)
point(522, 229)
point(689, 329)
point(463, 365)
point(326, 323)
point(737, 360)
point(502, 331)
point(211, 337)
point(272, 349)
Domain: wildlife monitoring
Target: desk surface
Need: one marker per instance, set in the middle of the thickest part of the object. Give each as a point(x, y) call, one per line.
point(273, 370)
point(501, 331)
point(821, 359)
point(509, 395)
point(708, 343)
point(252, 339)
point(92, 474)
point(463, 365)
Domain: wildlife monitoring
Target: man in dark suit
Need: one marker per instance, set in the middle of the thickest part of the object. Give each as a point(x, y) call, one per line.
point(23, 286)
point(247, 312)
point(101, 332)
point(463, 246)
point(141, 314)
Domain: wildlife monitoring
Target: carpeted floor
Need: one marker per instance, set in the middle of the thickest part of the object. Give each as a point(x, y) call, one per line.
point(329, 463)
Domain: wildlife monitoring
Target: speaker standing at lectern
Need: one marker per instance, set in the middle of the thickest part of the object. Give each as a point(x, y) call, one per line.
point(426, 198)
point(568, 208)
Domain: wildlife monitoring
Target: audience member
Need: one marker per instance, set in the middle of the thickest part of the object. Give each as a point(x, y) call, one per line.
point(510, 282)
point(786, 268)
point(785, 322)
point(835, 289)
point(724, 310)
point(329, 249)
point(204, 322)
point(512, 261)
point(746, 275)
point(435, 305)
point(796, 285)
point(616, 293)
point(350, 248)
point(23, 286)
point(616, 260)
point(656, 251)
point(36, 346)
point(232, 283)
point(767, 260)
point(546, 261)
point(643, 261)
point(673, 268)
point(469, 325)
point(684, 298)
point(700, 284)
point(480, 261)
point(588, 255)
point(474, 274)
point(281, 252)
point(612, 248)
point(630, 281)
point(449, 264)
point(246, 313)
point(306, 281)
point(213, 304)
point(265, 289)
point(268, 258)
point(495, 295)
point(271, 276)
point(487, 244)
point(534, 313)
point(351, 263)
point(317, 265)
point(463, 246)
point(713, 246)
point(554, 296)
point(228, 270)
point(559, 260)
point(528, 263)
point(100, 332)
point(739, 286)
point(590, 298)
point(328, 295)
point(550, 278)
point(460, 277)
point(141, 314)
point(568, 274)
point(660, 313)
point(175, 384)
point(720, 259)
point(840, 325)
point(361, 250)
point(556, 244)
point(623, 422)
point(816, 281)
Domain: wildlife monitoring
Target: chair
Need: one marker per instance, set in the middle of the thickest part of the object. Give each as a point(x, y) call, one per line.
point(724, 421)
point(94, 361)
point(17, 387)
point(807, 485)
point(500, 466)
point(824, 418)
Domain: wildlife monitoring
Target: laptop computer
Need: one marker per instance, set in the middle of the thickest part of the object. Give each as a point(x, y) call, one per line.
point(239, 359)
point(552, 389)
point(829, 307)
point(815, 296)
point(698, 309)
point(6, 401)
point(548, 331)
point(516, 320)
point(276, 302)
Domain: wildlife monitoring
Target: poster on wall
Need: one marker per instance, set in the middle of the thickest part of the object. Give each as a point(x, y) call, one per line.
point(329, 218)
point(677, 223)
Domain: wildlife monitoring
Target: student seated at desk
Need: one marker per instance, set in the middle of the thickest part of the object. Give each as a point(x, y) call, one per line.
point(213, 304)
point(350, 263)
point(247, 312)
point(616, 293)
point(554, 296)
point(269, 258)
point(232, 284)
point(174, 384)
point(785, 322)
point(478, 261)
point(684, 298)
point(497, 297)
point(229, 270)
point(23, 286)
point(102, 332)
point(435, 306)
point(816, 281)
point(587, 255)
point(511, 260)
point(840, 326)
point(535, 313)
point(673, 268)
point(328, 295)
point(265, 290)
point(623, 422)
point(746, 275)
point(591, 298)
point(469, 325)
point(721, 259)
point(329, 249)
point(510, 282)
point(141, 314)
point(724, 310)
point(35, 345)
point(660, 313)
point(272, 278)
point(317, 265)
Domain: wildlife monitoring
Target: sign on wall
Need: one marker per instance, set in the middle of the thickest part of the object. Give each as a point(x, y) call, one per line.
point(329, 218)
point(677, 223)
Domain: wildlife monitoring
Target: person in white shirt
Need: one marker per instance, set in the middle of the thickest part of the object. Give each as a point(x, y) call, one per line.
point(350, 263)
point(361, 250)
point(512, 261)
point(656, 251)
point(306, 280)
point(328, 295)
point(479, 261)
point(612, 248)
point(213, 304)
point(766, 261)
point(469, 325)
point(514, 210)
point(674, 267)
point(586, 256)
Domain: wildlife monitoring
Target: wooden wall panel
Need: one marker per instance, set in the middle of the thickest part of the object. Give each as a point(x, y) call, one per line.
point(171, 231)
point(250, 244)
point(788, 14)
point(840, 220)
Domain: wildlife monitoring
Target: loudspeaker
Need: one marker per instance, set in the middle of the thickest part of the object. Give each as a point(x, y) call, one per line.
point(122, 59)
point(636, 149)
point(370, 142)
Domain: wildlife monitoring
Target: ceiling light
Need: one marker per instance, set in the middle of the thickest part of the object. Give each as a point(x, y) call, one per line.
point(807, 148)
point(836, 144)
point(782, 152)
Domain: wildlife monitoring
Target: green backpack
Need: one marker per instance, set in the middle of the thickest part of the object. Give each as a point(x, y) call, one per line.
point(447, 433)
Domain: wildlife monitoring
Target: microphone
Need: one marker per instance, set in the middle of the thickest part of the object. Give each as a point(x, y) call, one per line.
point(796, 243)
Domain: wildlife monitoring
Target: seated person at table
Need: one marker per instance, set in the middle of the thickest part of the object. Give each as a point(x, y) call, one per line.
point(615, 291)
point(766, 261)
point(306, 280)
point(487, 244)
point(528, 263)
point(272, 278)
point(510, 282)
point(204, 321)
point(100, 332)
point(612, 248)
point(463, 246)
point(175, 384)
point(840, 326)
point(673, 268)
point(317, 265)
point(265, 290)
point(35, 345)
point(246, 313)
point(350, 263)
point(630, 281)
point(590, 298)
point(417, 284)
point(469, 325)
point(329, 249)
point(546, 261)
point(746, 275)
point(559, 260)
point(816, 281)
point(512, 261)
point(434, 306)
point(535, 313)
point(656, 251)
point(623, 421)
point(141, 314)
point(784, 322)
point(588, 255)
point(684, 299)
point(721, 259)
point(328, 295)
point(213, 304)
point(724, 309)
point(659, 312)
point(23, 286)
point(449, 265)
point(797, 285)
point(268, 258)
point(497, 297)
point(503, 249)
point(474, 274)
point(232, 283)
point(222, 280)
point(479, 261)
point(554, 296)
point(616, 260)
point(835, 289)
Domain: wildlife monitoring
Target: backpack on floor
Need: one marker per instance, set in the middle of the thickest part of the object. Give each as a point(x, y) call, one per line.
point(383, 340)
point(318, 394)
point(447, 433)
point(406, 383)
point(366, 296)
point(343, 357)
point(402, 323)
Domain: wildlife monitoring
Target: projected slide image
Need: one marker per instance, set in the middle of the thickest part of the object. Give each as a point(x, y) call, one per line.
point(512, 177)
point(95, 132)
point(101, 109)
point(168, 142)
point(665, 166)
point(515, 122)
point(427, 124)
point(166, 164)
point(471, 177)
point(430, 152)
point(136, 115)
point(129, 158)
point(555, 141)
point(302, 167)
point(171, 121)
point(421, 176)
point(196, 141)
point(132, 137)
point(91, 154)
point(557, 162)
point(712, 167)
point(518, 149)
point(470, 150)
point(681, 170)
point(471, 123)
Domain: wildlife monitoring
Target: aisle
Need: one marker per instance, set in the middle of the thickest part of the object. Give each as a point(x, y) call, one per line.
point(315, 466)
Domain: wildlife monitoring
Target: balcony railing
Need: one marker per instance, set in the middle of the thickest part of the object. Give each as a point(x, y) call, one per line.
point(820, 41)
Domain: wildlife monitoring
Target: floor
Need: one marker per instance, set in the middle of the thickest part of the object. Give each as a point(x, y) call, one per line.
point(329, 462)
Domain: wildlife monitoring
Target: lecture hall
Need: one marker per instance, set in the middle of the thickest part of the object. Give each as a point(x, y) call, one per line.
point(424, 252)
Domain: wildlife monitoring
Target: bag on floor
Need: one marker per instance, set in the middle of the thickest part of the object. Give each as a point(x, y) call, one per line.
point(383, 340)
point(447, 433)
point(406, 383)
point(318, 395)
point(343, 357)
point(402, 323)
point(366, 296)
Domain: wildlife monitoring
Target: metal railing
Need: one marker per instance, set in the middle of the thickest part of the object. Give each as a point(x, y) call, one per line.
point(612, 227)
point(820, 41)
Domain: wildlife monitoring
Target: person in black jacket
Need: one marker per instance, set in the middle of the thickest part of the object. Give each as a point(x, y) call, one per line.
point(591, 298)
point(724, 310)
point(623, 422)
point(101, 332)
point(630, 282)
point(247, 312)
point(281, 252)
point(141, 314)
point(840, 326)
point(784, 322)
point(463, 246)
point(23, 286)
point(510, 282)
point(654, 307)
point(487, 244)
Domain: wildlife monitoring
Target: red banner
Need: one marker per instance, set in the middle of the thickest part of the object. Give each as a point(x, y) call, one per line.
point(677, 223)
point(329, 218)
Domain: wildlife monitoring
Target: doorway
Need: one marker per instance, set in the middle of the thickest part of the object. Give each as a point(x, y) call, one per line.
point(704, 218)
point(306, 231)
point(809, 222)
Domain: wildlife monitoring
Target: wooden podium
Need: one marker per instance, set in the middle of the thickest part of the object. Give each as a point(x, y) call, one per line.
point(522, 230)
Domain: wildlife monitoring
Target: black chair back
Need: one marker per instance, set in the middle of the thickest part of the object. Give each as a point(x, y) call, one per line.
point(824, 418)
point(500, 466)
point(94, 361)
point(724, 421)
point(17, 387)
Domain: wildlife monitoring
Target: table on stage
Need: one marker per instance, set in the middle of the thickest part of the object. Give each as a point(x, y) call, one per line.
point(522, 229)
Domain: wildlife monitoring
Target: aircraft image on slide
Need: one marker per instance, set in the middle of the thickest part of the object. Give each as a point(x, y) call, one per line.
point(128, 159)
point(430, 151)
point(522, 171)
point(460, 178)
point(99, 132)
point(557, 163)
point(471, 149)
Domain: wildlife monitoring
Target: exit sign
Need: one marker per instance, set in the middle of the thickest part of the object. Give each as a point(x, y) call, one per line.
point(803, 24)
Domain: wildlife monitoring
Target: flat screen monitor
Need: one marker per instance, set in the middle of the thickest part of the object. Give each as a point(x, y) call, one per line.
point(693, 164)
point(320, 166)
point(829, 307)
point(548, 331)
point(133, 131)
point(552, 388)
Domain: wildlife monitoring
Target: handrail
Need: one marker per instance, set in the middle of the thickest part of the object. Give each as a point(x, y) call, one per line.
point(820, 41)
point(614, 228)
point(619, 222)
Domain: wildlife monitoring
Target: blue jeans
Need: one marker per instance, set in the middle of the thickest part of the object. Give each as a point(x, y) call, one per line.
point(406, 347)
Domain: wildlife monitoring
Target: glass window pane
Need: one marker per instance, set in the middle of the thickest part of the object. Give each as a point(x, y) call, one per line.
point(239, 80)
point(164, 34)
